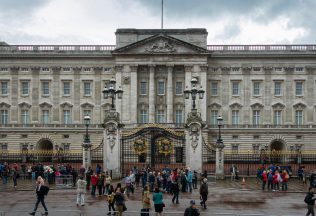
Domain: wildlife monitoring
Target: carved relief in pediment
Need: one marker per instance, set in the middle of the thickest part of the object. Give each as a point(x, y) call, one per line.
point(160, 46)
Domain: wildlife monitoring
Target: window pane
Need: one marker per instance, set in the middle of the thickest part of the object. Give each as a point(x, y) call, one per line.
point(143, 88)
point(277, 88)
point(299, 88)
point(277, 117)
point(298, 117)
point(214, 115)
point(45, 88)
point(235, 88)
point(87, 89)
point(256, 88)
point(214, 88)
point(179, 90)
point(45, 117)
point(161, 116)
point(235, 117)
point(66, 88)
point(67, 117)
point(4, 116)
point(4, 88)
point(143, 117)
point(179, 117)
point(25, 88)
point(161, 87)
point(24, 116)
point(256, 117)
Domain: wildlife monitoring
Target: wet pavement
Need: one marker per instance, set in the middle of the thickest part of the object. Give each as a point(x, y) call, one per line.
point(225, 198)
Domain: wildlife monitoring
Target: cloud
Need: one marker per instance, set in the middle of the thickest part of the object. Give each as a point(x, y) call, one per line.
point(95, 22)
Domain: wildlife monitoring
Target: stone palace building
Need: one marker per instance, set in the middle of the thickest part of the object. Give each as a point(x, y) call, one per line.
point(265, 93)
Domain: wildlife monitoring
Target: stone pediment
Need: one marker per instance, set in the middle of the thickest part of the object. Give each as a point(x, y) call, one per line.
point(87, 105)
point(160, 44)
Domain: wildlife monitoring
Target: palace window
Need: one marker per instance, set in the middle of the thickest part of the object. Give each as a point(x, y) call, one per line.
point(143, 88)
point(86, 69)
point(67, 116)
point(235, 148)
point(214, 89)
point(4, 87)
point(87, 88)
point(87, 113)
point(179, 117)
point(45, 88)
point(299, 117)
point(3, 146)
point(161, 116)
point(25, 69)
point(277, 117)
point(179, 88)
point(161, 87)
point(24, 117)
point(25, 88)
point(235, 88)
point(66, 88)
point(255, 148)
point(298, 88)
point(66, 69)
point(235, 117)
point(45, 117)
point(45, 69)
point(256, 88)
point(3, 69)
point(214, 115)
point(256, 117)
point(143, 116)
point(277, 88)
point(4, 116)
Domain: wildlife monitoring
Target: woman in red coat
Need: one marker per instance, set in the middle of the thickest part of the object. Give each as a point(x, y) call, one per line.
point(264, 179)
point(94, 180)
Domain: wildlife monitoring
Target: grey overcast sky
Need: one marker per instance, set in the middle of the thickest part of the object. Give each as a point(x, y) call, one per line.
point(95, 21)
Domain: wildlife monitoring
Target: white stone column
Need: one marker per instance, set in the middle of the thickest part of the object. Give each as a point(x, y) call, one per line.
point(219, 163)
point(203, 84)
point(133, 93)
point(170, 94)
point(111, 149)
point(151, 95)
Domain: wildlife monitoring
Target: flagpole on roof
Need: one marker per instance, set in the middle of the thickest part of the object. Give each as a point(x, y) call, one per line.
point(161, 14)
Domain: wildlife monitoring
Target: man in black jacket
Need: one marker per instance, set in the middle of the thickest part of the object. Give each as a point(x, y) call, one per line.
point(40, 192)
point(310, 201)
point(192, 210)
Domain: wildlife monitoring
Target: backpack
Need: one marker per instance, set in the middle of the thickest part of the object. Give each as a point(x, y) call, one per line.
point(45, 189)
point(119, 199)
point(308, 199)
point(269, 177)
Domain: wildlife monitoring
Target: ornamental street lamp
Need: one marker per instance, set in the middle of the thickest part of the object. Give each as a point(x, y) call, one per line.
point(86, 144)
point(219, 142)
point(110, 92)
point(194, 92)
point(248, 162)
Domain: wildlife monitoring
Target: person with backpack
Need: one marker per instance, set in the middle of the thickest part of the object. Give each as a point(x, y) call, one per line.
point(111, 200)
point(41, 192)
point(119, 201)
point(310, 201)
point(81, 190)
point(204, 192)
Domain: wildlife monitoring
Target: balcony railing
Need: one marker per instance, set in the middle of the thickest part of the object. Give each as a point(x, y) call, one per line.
point(261, 48)
point(166, 125)
point(58, 48)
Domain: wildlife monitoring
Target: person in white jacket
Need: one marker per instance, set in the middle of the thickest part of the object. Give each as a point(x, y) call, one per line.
point(81, 190)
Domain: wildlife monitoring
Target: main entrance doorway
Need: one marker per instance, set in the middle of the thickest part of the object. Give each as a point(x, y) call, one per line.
point(153, 147)
point(277, 155)
point(45, 150)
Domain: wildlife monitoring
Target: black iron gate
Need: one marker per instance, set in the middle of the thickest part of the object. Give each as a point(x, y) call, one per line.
point(155, 147)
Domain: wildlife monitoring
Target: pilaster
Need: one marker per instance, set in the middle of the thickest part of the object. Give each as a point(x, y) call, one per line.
point(203, 83)
point(152, 96)
point(188, 77)
point(14, 96)
point(118, 78)
point(77, 94)
point(35, 94)
point(134, 96)
point(170, 94)
point(56, 93)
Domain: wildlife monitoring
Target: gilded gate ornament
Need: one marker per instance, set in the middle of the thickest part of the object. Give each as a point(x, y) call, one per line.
point(165, 146)
point(140, 146)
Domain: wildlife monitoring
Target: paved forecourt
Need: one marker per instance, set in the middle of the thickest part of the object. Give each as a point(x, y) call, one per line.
point(225, 198)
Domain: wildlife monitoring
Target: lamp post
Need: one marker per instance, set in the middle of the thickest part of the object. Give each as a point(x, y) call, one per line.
point(110, 92)
point(86, 144)
point(194, 92)
point(248, 162)
point(219, 142)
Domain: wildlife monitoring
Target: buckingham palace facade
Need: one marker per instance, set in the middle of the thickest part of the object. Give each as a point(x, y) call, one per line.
point(265, 93)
